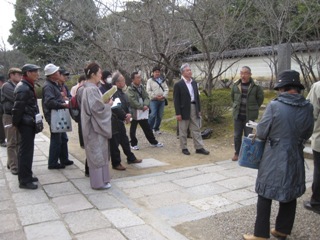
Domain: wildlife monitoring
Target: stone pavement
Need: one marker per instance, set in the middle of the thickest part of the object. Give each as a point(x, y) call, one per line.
point(141, 207)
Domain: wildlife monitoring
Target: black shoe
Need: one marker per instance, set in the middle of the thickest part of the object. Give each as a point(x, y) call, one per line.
point(312, 207)
point(29, 185)
point(35, 179)
point(58, 166)
point(87, 174)
point(4, 144)
point(67, 163)
point(202, 151)
point(185, 151)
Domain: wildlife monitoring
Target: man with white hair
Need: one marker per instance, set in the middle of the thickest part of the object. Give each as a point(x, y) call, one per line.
point(53, 99)
point(187, 106)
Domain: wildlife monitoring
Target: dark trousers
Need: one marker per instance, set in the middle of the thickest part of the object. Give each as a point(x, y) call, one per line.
point(58, 148)
point(25, 156)
point(146, 129)
point(315, 197)
point(2, 133)
point(239, 130)
point(122, 139)
point(80, 135)
point(114, 150)
point(284, 220)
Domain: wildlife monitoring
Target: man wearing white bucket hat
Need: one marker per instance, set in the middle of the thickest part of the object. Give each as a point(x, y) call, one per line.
point(52, 99)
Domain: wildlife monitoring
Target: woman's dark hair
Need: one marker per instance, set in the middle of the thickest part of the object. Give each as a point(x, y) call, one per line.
point(288, 88)
point(92, 68)
point(81, 78)
point(133, 75)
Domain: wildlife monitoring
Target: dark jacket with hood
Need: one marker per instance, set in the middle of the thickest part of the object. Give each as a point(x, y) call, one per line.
point(286, 123)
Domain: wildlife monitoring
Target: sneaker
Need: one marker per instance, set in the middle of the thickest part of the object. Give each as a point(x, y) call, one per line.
point(157, 132)
point(4, 144)
point(135, 147)
point(159, 144)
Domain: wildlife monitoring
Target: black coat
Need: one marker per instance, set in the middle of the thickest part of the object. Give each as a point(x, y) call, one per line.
point(182, 99)
point(25, 105)
point(51, 99)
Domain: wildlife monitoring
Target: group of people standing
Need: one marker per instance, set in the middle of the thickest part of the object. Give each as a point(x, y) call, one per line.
point(288, 121)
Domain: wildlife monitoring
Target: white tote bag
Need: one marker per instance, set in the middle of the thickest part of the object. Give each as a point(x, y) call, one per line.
point(60, 121)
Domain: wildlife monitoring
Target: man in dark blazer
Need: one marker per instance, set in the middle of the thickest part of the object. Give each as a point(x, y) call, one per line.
point(187, 107)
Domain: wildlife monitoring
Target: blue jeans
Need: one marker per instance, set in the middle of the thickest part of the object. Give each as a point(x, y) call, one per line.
point(155, 117)
point(239, 130)
point(58, 149)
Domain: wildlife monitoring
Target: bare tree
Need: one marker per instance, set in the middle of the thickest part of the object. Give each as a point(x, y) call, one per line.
point(213, 25)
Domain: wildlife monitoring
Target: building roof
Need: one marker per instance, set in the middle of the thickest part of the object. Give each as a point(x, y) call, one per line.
point(256, 51)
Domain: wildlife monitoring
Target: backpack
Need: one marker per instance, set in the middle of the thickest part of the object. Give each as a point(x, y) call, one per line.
point(74, 109)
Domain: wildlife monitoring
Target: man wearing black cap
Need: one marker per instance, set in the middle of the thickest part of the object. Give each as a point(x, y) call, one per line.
point(63, 88)
point(2, 133)
point(24, 111)
point(12, 133)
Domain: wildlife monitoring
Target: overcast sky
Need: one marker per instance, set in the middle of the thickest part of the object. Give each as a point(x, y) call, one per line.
point(6, 18)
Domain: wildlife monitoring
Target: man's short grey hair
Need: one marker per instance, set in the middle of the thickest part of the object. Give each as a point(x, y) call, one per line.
point(115, 77)
point(246, 67)
point(183, 66)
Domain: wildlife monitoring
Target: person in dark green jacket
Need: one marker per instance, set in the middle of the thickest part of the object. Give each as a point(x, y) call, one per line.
point(247, 98)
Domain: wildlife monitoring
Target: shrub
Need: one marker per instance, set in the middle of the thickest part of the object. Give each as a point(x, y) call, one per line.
point(215, 106)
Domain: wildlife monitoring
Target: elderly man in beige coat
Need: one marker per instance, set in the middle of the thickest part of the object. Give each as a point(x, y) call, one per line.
point(314, 97)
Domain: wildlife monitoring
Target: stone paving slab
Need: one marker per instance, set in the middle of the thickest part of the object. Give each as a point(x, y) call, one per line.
point(60, 189)
point(104, 201)
point(25, 198)
point(149, 162)
point(48, 230)
point(101, 234)
point(71, 203)
point(37, 213)
point(122, 218)
point(9, 222)
point(143, 232)
point(87, 220)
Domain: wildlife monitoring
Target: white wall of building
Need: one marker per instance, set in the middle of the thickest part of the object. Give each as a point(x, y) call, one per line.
point(259, 66)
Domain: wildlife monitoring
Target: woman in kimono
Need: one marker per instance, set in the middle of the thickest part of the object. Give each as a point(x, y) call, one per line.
point(285, 125)
point(96, 128)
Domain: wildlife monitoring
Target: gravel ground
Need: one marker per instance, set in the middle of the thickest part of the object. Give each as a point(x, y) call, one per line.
point(233, 224)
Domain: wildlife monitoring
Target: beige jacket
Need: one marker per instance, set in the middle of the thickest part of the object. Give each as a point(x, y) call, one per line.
point(154, 90)
point(314, 97)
